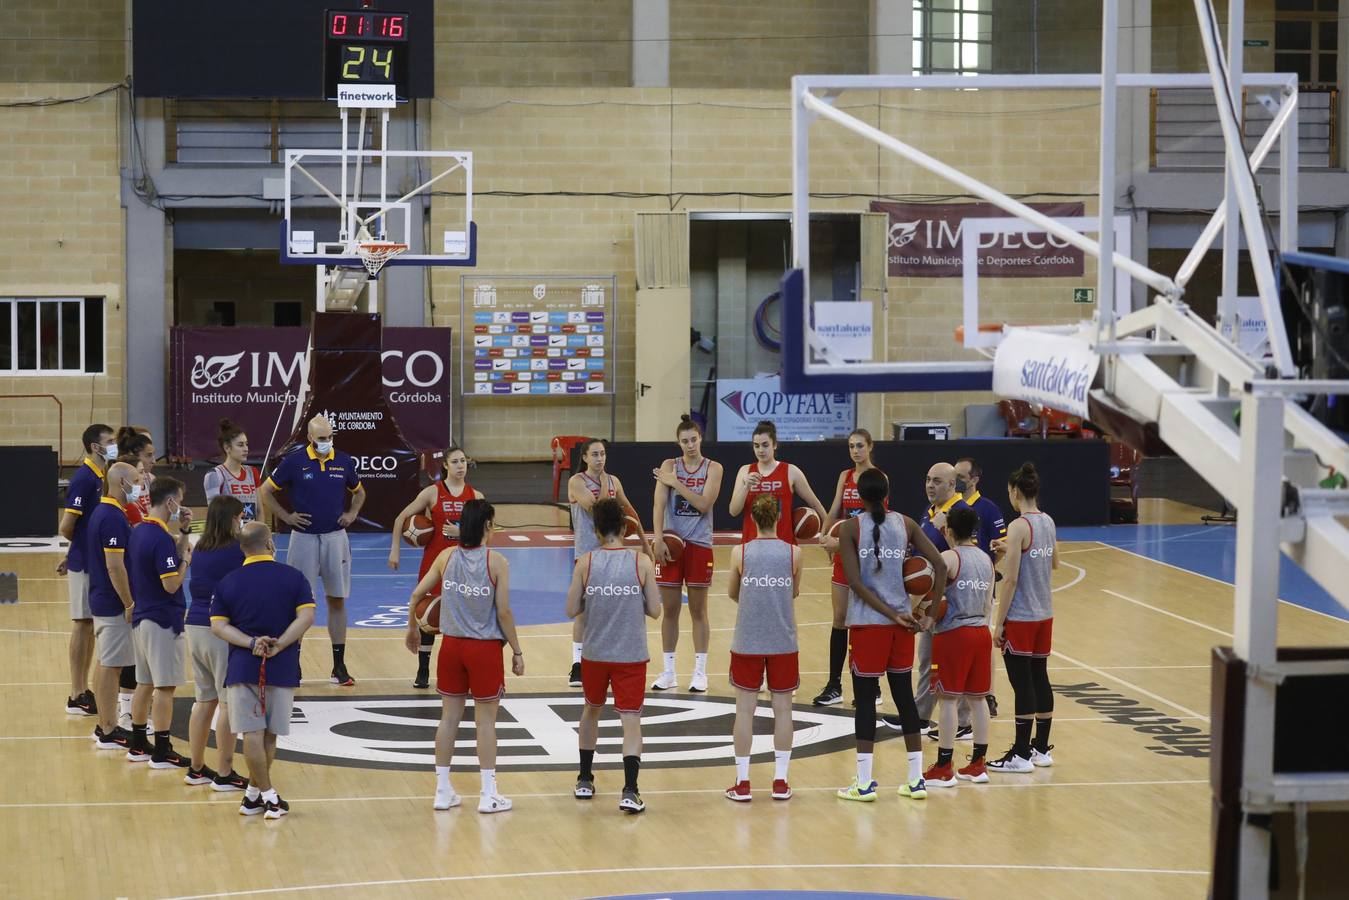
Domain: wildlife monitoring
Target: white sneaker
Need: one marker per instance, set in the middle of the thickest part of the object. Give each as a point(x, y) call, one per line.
point(698, 683)
point(1041, 760)
point(1010, 762)
point(447, 799)
point(665, 682)
point(493, 804)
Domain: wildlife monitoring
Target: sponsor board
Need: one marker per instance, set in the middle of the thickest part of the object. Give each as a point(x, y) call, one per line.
point(1048, 369)
point(742, 402)
point(924, 242)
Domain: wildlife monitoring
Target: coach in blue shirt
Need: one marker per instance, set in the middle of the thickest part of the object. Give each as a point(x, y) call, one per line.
point(82, 495)
point(261, 610)
point(110, 599)
point(319, 479)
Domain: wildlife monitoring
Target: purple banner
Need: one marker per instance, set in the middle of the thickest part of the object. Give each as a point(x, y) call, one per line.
point(252, 376)
point(924, 242)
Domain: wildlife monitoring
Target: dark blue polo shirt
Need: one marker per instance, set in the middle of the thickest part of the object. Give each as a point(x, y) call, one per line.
point(318, 486)
point(153, 556)
point(109, 533)
point(930, 530)
point(991, 524)
point(207, 569)
point(261, 598)
point(82, 495)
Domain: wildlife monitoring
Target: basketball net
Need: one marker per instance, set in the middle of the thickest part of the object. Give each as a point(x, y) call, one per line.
point(374, 254)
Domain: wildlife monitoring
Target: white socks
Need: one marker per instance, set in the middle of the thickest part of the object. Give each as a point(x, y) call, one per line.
point(669, 662)
point(741, 769)
point(252, 793)
point(124, 707)
point(915, 765)
point(489, 782)
point(699, 663)
point(443, 779)
point(270, 795)
point(575, 652)
point(781, 759)
point(863, 769)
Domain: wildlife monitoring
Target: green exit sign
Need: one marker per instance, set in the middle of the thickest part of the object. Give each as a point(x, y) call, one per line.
point(1254, 42)
point(1084, 295)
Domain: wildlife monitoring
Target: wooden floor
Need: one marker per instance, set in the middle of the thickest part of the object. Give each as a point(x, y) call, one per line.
point(1112, 819)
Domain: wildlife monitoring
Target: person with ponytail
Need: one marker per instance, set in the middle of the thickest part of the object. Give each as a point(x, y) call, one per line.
point(234, 477)
point(687, 488)
point(473, 586)
point(847, 504)
point(881, 626)
point(443, 503)
point(135, 446)
point(768, 476)
point(1025, 621)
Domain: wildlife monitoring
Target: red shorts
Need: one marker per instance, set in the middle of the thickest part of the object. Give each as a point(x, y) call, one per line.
point(875, 650)
point(1028, 638)
point(468, 666)
point(839, 578)
point(747, 671)
point(627, 678)
point(693, 568)
point(961, 661)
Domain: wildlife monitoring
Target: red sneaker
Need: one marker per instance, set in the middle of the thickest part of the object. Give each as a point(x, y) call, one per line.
point(781, 789)
point(940, 776)
point(739, 792)
point(975, 771)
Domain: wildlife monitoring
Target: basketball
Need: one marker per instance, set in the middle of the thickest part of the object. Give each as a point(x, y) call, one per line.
point(674, 545)
point(917, 576)
point(419, 531)
point(427, 613)
point(632, 523)
point(806, 523)
point(937, 609)
point(835, 529)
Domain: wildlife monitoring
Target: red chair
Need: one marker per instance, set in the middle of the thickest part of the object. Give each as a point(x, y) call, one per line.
point(563, 445)
point(1125, 462)
point(1021, 421)
point(1056, 423)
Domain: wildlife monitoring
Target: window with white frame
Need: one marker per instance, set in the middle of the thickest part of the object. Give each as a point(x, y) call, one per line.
point(51, 335)
point(952, 37)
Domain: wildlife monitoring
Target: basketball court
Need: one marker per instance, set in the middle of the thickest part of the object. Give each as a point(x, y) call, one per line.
point(1123, 813)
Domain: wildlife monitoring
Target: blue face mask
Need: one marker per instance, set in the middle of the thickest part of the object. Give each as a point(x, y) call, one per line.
point(962, 486)
point(134, 494)
point(323, 448)
point(110, 452)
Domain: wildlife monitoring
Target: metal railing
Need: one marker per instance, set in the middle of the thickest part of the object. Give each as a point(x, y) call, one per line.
point(1184, 132)
point(60, 418)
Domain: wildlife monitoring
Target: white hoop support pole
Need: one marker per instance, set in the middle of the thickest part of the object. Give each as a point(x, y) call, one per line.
point(1155, 280)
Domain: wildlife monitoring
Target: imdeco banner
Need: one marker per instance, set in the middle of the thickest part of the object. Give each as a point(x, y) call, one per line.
point(924, 242)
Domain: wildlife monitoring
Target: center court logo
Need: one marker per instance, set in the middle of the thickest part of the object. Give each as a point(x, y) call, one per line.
point(538, 733)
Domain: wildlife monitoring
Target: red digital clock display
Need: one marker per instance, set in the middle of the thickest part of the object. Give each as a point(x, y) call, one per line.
point(367, 25)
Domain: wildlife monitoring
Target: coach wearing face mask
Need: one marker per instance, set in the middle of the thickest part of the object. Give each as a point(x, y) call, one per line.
point(319, 479)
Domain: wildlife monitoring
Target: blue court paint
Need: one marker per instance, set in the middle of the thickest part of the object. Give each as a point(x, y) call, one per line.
point(1206, 550)
point(750, 895)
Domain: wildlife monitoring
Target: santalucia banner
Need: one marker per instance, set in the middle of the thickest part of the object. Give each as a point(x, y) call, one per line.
point(1049, 369)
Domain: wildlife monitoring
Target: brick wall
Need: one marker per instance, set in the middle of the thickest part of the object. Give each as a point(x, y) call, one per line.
point(59, 183)
point(534, 42)
point(63, 40)
point(762, 44)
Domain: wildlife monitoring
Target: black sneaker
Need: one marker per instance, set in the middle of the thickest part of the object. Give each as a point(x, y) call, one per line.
point(83, 705)
point(204, 775)
point(423, 680)
point(117, 739)
point(276, 810)
point(574, 679)
point(892, 722)
point(631, 803)
point(230, 781)
point(136, 754)
point(585, 788)
point(341, 677)
point(832, 695)
point(253, 807)
point(992, 705)
point(963, 733)
point(169, 759)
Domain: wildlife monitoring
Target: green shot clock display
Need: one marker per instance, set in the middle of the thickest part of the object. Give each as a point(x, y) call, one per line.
point(366, 47)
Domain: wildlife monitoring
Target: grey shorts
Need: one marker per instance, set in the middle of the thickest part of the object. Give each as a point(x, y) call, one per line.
point(325, 557)
point(210, 654)
point(246, 709)
point(159, 655)
point(112, 642)
point(77, 584)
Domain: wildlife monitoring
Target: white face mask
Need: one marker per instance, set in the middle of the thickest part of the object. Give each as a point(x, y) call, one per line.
point(323, 448)
point(110, 452)
point(134, 494)
point(176, 514)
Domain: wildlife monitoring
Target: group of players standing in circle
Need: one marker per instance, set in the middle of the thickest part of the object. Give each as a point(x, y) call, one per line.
point(615, 587)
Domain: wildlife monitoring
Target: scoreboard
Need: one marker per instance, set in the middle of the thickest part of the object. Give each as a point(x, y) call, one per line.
point(366, 48)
